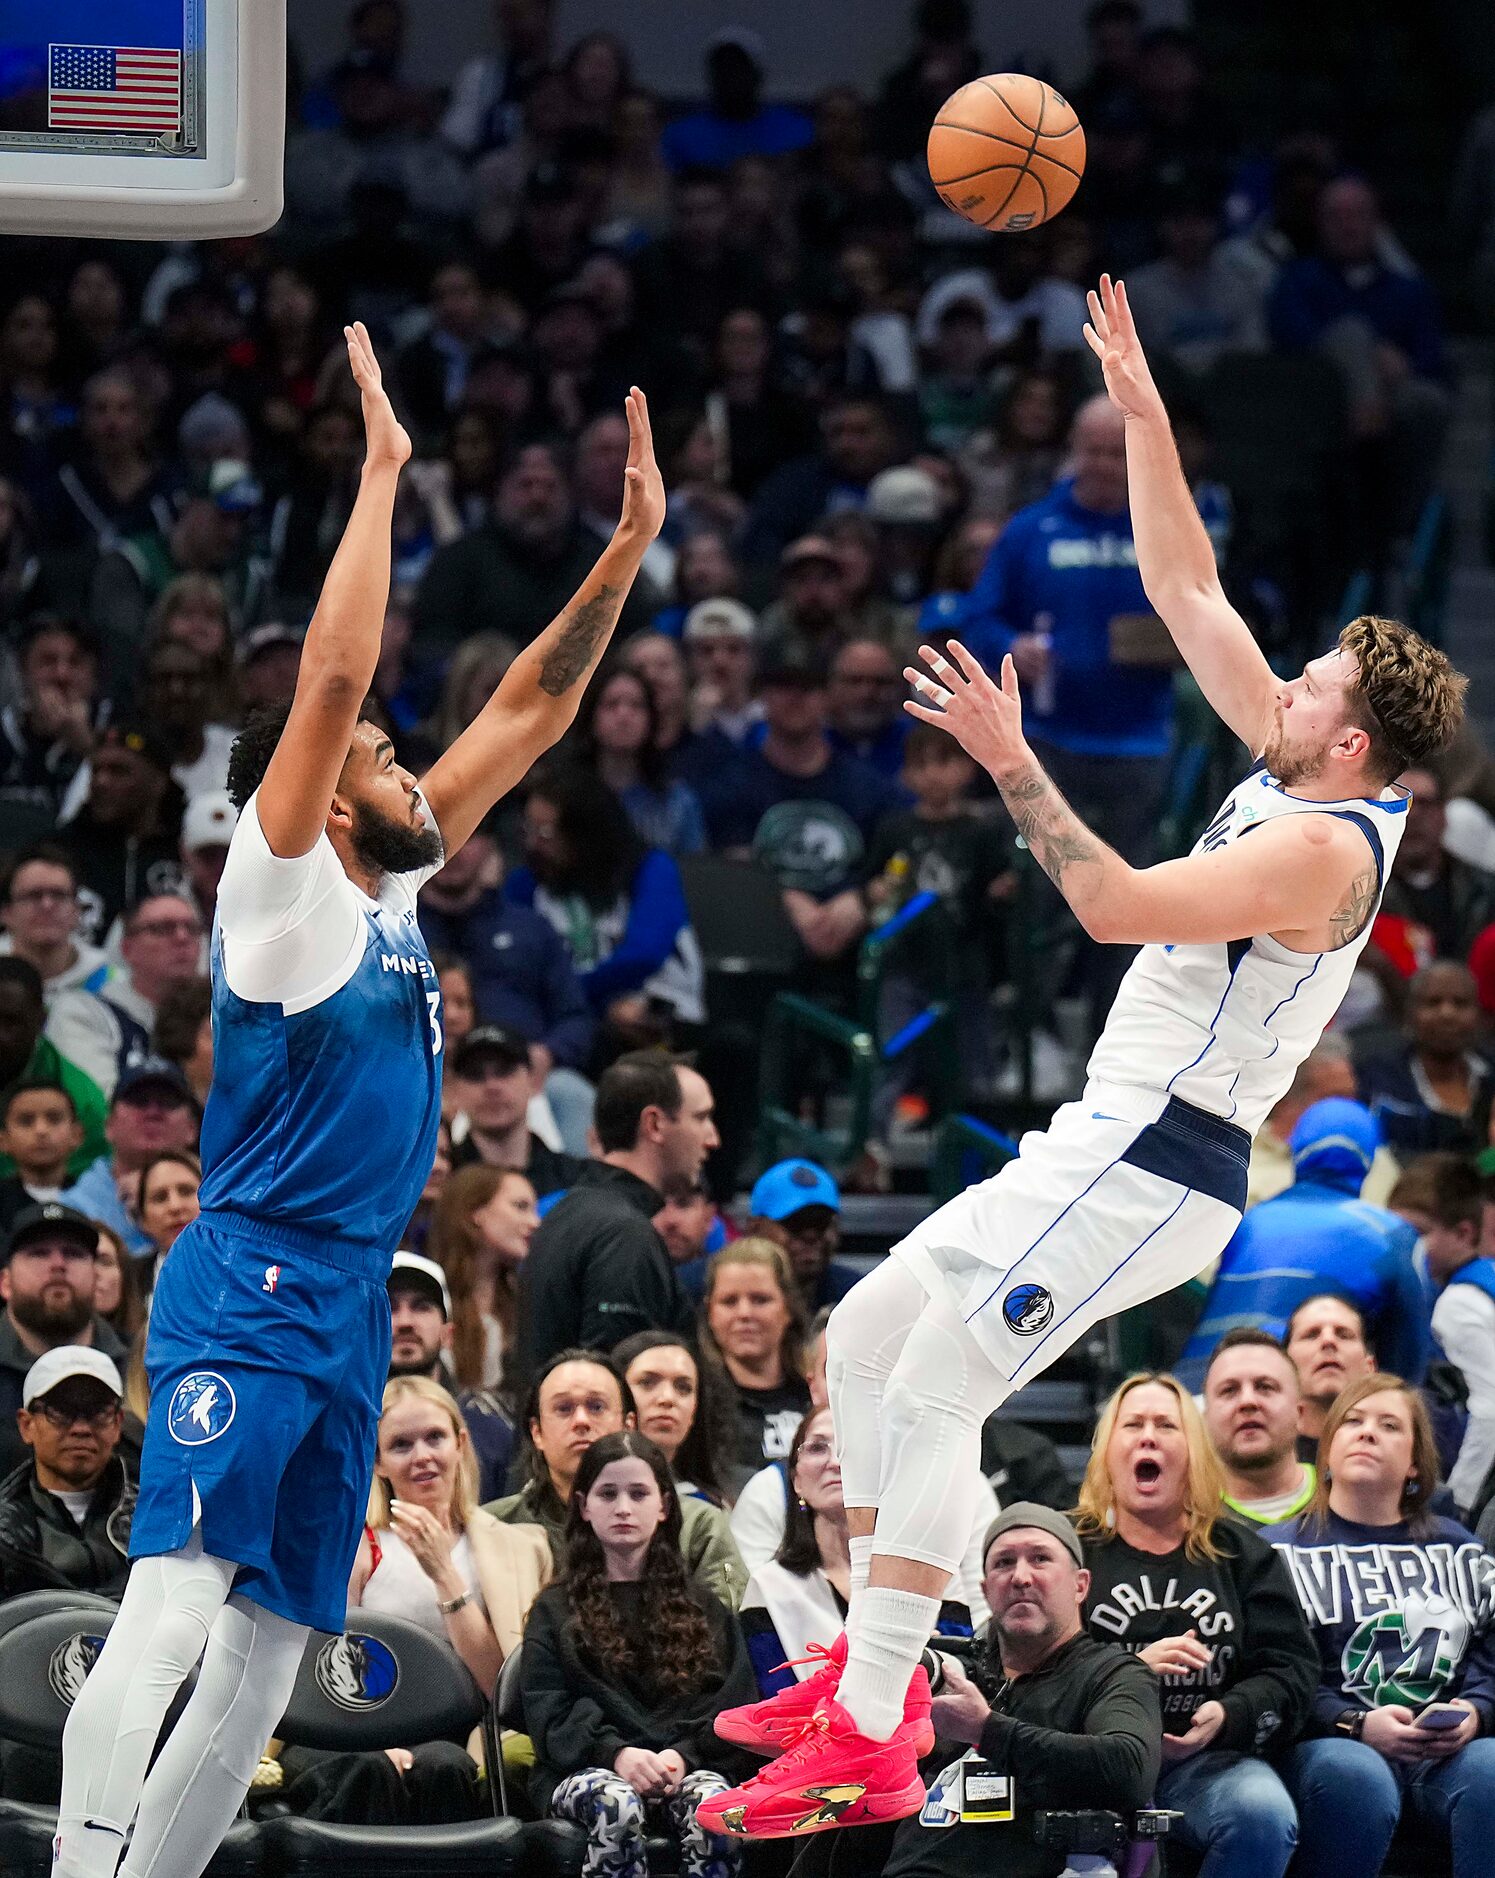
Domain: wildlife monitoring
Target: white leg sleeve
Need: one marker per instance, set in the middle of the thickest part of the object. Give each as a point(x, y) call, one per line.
point(940, 1392)
point(862, 1343)
point(199, 1782)
point(168, 1609)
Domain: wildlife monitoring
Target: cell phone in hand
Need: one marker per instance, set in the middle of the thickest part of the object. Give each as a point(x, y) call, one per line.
point(1440, 1716)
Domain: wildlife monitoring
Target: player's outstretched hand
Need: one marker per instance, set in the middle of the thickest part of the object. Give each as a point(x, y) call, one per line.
point(386, 438)
point(643, 486)
point(1112, 337)
point(984, 718)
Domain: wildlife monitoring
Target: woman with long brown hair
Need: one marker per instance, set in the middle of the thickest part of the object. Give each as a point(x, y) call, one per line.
point(627, 1663)
point(1399, 1603)
point(479, 1234)
point(1207, 1606)
point(753, 1331)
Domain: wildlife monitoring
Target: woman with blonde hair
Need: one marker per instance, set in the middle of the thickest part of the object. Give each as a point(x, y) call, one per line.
point(1399, 1602)
point(1208, 1606)
point(479, 1234)
point(472, 677)
point(753, 1332)
point(193, 610)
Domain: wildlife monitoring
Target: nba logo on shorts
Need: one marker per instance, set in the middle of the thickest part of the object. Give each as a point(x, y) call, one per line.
point(1027, 1309)
point(201, 1408)
point(272, 1277)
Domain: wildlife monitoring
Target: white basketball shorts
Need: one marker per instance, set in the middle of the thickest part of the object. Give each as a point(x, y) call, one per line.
point(1126, 1194)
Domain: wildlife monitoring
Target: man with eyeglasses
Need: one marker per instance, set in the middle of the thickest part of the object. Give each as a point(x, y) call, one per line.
point(47, 1282)
point(65, 1512)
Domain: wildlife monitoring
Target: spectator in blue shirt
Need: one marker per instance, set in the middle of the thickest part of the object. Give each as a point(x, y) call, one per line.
point(1318, 1237)
point(736, 122)
point(1380, 327)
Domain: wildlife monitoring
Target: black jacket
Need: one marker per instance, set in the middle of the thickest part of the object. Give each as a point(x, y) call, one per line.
point(41, 1549)
point(1083, 1731)
point(1241, 1605)
point(579, 1716)
point(597, 1270)
point(15, 1360)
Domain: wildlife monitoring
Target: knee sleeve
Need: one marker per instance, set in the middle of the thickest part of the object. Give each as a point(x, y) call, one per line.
point(939, 1394)
point(863, 1340)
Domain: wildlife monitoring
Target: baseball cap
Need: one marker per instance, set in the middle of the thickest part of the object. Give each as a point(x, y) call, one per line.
point(1335, 1136)
point(267, 638)
point(1042, 1519)
point(789, 1187)
point(490, 1042)
point(51, 1220)
point(209, 821)
point(411, 1272)
point(810, 548)
point(794, 668)
point(730, 618)
point(60, 1365)
point(153, 1072)
point(903, 495)
point(127, 733)
point(232, 487)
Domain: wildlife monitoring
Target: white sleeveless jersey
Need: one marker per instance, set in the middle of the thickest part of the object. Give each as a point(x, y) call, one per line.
point(1226, 1026)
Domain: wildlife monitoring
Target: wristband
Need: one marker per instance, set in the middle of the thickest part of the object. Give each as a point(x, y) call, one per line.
point(1350, 1723)
point(447, 1606)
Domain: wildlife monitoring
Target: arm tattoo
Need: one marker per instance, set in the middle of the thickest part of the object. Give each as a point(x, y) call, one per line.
point(580, 632)
point(1050, 829)
point(1355, 911)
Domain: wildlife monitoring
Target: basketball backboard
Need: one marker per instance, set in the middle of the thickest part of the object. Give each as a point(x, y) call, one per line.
point(152, 119)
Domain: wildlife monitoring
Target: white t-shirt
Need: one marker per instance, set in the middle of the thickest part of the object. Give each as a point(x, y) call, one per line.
point(293, 928)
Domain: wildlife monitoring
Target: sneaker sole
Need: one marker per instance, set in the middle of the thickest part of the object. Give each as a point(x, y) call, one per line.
point(878, 1810)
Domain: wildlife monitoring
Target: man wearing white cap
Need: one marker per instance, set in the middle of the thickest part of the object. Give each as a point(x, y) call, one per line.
point(420, 1313)
point(65, 1512)
point(207, 828)
point(720, 644)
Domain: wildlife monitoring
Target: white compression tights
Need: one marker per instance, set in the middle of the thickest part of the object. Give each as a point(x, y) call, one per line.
point(909, 1391)
point(173, 1606)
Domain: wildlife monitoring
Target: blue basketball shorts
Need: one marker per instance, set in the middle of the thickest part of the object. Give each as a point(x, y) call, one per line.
point(267, 1356)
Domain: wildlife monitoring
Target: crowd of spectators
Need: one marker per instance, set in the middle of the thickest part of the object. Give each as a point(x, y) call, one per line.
point(606, 1433)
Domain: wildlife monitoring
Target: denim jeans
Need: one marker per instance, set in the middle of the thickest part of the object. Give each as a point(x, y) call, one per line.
point(1350, 1799)
point(1236, 1812)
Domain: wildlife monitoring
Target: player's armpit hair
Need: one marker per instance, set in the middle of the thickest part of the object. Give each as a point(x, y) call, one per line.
point(1354, 912)
point(1408, 698)
point(576, 644)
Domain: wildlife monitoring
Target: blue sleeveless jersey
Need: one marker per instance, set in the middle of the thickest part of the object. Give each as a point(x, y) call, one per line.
point(325, 1119)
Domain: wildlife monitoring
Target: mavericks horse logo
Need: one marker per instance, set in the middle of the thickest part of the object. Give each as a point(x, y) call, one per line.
point(356, 1671)
point(1407, 1656)
point(71, 1661)
point(1027, 1309)
point(201, 1408)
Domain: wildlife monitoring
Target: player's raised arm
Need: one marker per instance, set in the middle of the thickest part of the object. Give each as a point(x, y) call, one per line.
point(1307, 875)
point(537, 701)
point(1174, 555)
point(342, 642)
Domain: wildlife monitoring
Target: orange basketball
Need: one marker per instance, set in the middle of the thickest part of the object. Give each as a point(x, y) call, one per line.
point(1006, 152)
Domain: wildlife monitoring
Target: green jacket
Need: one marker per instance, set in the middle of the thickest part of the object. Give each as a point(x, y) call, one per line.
point(46, 1065)
point(705, 1536)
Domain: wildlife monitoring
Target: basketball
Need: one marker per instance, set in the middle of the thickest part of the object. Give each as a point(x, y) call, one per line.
point(1006, 152)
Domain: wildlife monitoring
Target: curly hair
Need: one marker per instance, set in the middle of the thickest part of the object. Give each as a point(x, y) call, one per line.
point(1408, 698)
point(682, 1655)
point(252, 750)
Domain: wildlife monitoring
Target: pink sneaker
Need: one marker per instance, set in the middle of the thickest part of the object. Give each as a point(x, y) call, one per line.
point(777, 1721)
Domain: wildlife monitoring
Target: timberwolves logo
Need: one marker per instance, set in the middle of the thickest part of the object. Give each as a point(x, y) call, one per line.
point(70, 1664)
point(201, 1408)
point(1027, 1309)
point(356, 1672)
point(1406, 1656)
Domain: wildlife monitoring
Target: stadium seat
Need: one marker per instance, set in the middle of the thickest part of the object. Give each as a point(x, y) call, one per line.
point(387, 1684)
point(48, 1643)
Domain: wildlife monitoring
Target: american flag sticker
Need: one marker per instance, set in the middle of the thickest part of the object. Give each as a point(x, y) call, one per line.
point(115, 88)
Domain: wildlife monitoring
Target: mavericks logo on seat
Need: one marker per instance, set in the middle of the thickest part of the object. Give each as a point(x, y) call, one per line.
point(356, 1671)
point(71, 1661)
point(201, 1408)
point(1027, 1309)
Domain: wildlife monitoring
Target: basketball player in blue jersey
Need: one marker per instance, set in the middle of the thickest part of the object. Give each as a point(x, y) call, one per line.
point(1247, 945)
point(269, 1335)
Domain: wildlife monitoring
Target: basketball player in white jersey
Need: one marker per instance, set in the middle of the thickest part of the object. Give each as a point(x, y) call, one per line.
point(1248, 944)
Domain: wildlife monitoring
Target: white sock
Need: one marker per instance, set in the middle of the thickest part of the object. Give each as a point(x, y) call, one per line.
point(891, 1631)
point(860, 1548)
point(86, 1849)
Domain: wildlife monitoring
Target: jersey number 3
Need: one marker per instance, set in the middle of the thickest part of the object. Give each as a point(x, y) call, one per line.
point(433, 1005)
